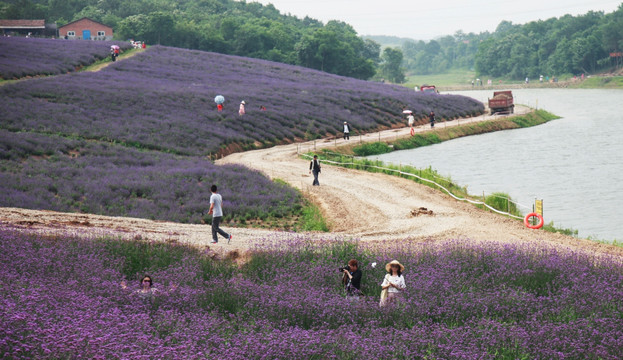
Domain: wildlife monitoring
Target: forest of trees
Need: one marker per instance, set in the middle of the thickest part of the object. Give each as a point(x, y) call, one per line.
point(553, 47)
point(223, 26)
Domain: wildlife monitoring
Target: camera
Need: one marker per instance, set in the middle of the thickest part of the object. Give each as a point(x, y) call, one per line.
point(346, 267)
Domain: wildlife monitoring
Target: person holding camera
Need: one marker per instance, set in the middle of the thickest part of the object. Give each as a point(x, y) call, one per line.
point(352, 278)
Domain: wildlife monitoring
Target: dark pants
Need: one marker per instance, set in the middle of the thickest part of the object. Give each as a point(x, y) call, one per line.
point(316, 172)
point(346, 136)
point(216, 229)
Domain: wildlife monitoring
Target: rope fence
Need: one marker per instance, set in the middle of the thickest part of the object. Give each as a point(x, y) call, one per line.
point(475, 202)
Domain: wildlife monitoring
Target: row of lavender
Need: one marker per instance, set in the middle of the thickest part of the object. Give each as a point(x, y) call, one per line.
point(55, 173)
point(22, 57)
point(61, 299)
point(164, 99)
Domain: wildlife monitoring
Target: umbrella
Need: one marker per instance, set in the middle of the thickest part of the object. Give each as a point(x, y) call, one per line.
point(407, 111)
point(219, 99)
point(114, 46)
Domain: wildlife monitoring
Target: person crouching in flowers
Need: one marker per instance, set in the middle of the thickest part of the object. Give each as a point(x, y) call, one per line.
point(393, 284)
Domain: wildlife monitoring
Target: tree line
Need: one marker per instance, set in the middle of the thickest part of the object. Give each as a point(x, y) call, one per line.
point(223, 26)
point(553, 47)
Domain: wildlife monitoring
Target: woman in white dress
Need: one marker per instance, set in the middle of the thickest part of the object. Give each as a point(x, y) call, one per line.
point(393, 283)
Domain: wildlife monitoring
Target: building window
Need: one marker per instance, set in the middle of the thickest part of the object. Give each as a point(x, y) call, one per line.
point(71, 33)
point(101, 33)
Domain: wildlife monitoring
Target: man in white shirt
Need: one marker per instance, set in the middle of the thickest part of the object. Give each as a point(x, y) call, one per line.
point(216, 209)
point(346, 131)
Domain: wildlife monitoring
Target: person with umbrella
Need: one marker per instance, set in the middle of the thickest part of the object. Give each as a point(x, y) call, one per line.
point(410, 120)
point(114, 52)
point(219, 100)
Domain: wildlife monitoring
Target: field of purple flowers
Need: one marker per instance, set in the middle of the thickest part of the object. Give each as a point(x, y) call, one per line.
point(20, 57)
point(55, 173)
point(163, 99)
point(60, 297)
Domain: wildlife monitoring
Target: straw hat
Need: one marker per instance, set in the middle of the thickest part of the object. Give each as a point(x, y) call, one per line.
point(242, 102)
point(394, 262)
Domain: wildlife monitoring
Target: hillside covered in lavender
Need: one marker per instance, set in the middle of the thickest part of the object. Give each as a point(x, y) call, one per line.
point(132, 139)
point(163, 99)
point(20, 57)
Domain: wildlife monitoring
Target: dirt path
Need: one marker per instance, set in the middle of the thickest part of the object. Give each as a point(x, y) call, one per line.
point(358, 204)
point(377, 207)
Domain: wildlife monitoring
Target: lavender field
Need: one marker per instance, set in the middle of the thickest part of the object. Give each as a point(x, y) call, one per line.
point(50, 172)
point(60, 297)
point(20, 57)
point(163, 99)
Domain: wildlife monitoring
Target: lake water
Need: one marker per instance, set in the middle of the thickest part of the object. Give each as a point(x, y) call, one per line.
point(575, 164)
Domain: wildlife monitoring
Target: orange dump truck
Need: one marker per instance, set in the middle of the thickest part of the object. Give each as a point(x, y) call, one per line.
point(502, 102)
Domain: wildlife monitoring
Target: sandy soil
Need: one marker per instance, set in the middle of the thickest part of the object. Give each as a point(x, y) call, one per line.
point(358, 204)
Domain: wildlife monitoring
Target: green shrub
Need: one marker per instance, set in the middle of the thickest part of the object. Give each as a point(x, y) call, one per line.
point(375, 148)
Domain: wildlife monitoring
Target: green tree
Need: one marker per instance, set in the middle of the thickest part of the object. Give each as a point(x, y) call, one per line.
point(391, 66)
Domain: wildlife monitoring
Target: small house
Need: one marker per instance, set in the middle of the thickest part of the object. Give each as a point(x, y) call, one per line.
point(85, 29)
point(23, 27)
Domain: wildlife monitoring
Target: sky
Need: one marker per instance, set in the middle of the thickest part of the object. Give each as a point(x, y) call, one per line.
point(425, 20)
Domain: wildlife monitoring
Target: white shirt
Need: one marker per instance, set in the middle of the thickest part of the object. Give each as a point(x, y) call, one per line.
point(411, 119)
point(346, 128)
point(217, 200)
point(399, 281)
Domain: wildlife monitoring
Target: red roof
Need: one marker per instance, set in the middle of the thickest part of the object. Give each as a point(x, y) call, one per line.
point(85, 18)
point(22, 24)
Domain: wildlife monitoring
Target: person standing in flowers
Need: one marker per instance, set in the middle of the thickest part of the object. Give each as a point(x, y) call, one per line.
point(314, 166)
point(393, 283)
point(241, 110)
point(352, 278)
point(216, 209)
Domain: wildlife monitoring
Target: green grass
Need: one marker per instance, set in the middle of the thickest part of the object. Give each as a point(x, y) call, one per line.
point(312, 219)
point(374, 148)
point(601, 82)
point(534, 118)
point(503, 202)
point(454, 77)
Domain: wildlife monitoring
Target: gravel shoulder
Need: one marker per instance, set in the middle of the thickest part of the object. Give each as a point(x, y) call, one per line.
point(359, 205)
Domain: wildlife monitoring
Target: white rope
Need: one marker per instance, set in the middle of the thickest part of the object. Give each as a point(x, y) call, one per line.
point(422, 179)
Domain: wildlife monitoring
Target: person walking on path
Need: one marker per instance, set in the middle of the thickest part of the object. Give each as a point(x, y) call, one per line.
point(431, 117)
point(314, 166)
point(216, 209)
point(411, 121)
point(346, 131)
point(241, 110)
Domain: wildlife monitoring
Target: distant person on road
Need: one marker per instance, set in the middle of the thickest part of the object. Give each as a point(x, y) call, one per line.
point(431, 117)
point(411, 121)
point(314, 166)
point(216, 210)
point(241, 109)
point(346, 131)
